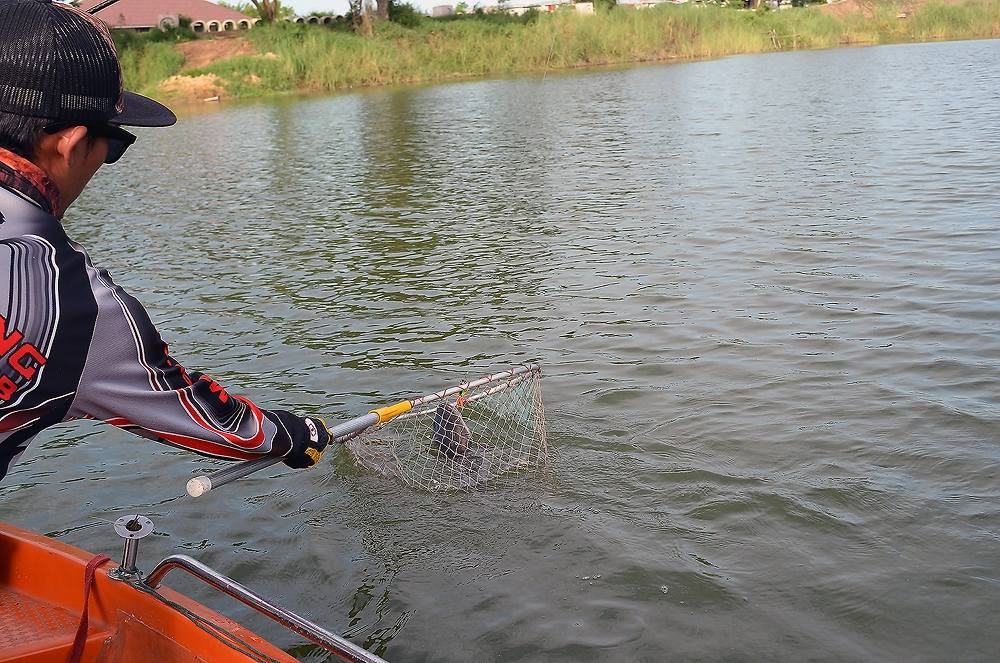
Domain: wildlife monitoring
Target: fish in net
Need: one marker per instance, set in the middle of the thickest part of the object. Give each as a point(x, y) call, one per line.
point(461, 438)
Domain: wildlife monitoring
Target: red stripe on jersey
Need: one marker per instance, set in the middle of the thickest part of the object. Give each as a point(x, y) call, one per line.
point(194, 444)
point(188, 442)
point(253, 442)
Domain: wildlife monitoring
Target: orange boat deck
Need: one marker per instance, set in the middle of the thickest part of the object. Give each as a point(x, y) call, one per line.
point(41, 601)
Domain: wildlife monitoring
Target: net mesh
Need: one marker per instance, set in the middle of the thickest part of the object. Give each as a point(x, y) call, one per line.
point(463, 442)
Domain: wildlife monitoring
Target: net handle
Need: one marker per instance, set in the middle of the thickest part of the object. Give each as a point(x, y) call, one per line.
point(198, 486)
point(104, 4)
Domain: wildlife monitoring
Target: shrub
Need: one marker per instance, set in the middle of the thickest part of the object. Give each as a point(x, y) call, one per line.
point(405, 14)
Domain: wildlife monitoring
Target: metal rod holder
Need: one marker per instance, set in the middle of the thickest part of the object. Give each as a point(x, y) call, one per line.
point(131, 528)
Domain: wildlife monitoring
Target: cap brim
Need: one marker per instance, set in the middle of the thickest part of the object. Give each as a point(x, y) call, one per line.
point(142, 111)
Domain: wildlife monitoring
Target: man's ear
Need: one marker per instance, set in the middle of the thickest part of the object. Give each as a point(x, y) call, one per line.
point(62, 150)
point(72, 144)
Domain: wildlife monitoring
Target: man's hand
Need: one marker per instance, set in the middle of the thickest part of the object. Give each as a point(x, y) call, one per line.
point(307, 448)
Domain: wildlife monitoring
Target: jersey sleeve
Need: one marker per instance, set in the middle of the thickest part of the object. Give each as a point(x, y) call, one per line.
point(130, 380)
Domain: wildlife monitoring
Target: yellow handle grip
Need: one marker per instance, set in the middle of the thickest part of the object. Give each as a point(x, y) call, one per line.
point(392, 411)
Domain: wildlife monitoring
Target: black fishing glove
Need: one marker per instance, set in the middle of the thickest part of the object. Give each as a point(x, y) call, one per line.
point(308, 435)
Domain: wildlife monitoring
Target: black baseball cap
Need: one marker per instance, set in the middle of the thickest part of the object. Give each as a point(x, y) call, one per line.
point(59, 63)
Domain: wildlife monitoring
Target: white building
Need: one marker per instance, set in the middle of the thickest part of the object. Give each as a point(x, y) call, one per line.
point(519, 7)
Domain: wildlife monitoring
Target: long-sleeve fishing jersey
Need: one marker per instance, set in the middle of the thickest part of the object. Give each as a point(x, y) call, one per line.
point(74, 345)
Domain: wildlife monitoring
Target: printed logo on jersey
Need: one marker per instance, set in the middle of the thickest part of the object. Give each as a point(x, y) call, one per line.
point(20, 356)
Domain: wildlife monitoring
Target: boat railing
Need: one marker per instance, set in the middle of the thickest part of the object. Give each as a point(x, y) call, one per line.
point(331, 642)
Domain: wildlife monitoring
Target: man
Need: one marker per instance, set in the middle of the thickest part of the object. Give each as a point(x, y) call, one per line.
point(73, 344)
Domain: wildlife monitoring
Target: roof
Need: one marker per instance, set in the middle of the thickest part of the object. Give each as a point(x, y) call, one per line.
point(147, 13)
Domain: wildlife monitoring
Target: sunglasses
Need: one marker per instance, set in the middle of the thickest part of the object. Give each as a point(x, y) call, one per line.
point(118, 139)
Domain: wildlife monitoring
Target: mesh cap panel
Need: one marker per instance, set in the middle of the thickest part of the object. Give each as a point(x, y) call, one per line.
point(57, 62)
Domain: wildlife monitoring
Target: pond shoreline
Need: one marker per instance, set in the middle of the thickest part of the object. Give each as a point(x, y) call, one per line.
point(194, 106)
point(294, 59)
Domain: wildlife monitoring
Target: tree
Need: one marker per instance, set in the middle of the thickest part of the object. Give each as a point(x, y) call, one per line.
point(383, 9)
point(360, 16)
point(269, 10)
point(355, 8)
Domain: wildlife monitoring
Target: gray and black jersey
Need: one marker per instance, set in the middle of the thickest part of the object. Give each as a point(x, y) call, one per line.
point(74, 345)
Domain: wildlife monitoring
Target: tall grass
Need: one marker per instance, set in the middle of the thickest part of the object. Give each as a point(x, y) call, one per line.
point(302, 57)
point(144, 65)
point(150, 57)
point(937, 21)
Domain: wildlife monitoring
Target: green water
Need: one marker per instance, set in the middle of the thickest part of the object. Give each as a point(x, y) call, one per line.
point(763, 291)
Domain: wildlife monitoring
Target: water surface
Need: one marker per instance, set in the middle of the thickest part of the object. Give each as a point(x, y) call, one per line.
point(764, 291)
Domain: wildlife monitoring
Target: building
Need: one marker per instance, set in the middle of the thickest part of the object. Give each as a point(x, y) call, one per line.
point(142, 15)
point(520, 7)
point(646, 4)
point(442, 10)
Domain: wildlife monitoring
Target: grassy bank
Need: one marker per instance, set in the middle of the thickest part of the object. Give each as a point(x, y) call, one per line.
point(312, 58)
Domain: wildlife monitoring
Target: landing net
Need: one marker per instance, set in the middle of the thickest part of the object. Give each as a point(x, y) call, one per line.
point(462, 441)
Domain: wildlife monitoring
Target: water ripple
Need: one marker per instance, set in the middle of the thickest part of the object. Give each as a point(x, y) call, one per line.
point(764, 294)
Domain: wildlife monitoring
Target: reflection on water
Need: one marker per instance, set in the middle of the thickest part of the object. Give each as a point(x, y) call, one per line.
point(762, 290)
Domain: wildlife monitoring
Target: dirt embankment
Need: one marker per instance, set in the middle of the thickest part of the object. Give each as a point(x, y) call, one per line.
point(191, 89)
point(201, 53)
point(842, 8)
point(845, 7)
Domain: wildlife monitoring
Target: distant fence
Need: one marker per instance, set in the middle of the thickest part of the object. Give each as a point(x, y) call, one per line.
point(247, 23)
point(223, 26)
point(327, 19)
